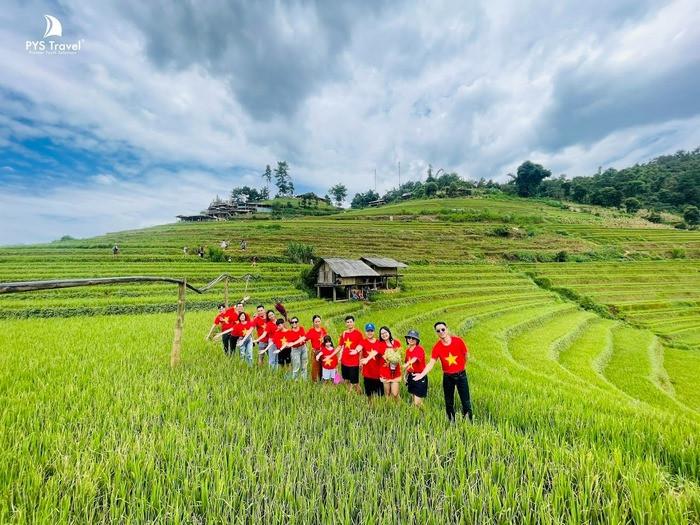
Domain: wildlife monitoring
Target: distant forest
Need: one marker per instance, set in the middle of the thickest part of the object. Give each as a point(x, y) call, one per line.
point(667, 183)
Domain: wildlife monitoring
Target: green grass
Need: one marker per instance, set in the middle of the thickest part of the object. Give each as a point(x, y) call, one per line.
point(579, 418)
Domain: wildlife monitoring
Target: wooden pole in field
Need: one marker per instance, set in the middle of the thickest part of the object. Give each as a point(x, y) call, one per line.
point(226, 292)
point(177, 340)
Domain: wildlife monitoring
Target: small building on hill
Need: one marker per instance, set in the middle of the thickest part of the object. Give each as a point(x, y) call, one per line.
point(338, 278)
point(385, 267)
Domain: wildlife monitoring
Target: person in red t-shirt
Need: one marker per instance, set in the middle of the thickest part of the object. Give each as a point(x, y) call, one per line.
point(243, 332)
point(328, 357)
point(452, 353)
point(371, 362)
point(224, 320)
point(268, 337)
point(414, 364)
point(300, 356)
point(259, 321)
point(314, 336)
point(389, 373)
point(281, 340)
point(351, 345)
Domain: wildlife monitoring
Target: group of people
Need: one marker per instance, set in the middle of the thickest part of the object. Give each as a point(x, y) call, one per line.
point(376, 356)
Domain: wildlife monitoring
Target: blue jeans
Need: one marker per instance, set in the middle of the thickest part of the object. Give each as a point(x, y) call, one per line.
point(247, 350)
point(261, 347)
point(271, 355)
point(300, 357)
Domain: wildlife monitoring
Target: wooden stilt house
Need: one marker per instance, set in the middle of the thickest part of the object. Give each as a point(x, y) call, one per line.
point(385, 267)
point(338, 278)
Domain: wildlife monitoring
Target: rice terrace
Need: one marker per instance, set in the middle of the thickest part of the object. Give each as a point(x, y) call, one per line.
point(360, 263)
point(582, 415)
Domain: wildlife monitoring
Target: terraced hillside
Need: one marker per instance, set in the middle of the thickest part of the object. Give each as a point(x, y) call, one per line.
point(579, 418)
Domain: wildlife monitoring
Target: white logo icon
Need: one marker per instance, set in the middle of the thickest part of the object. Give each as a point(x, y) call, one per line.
point(53, 26)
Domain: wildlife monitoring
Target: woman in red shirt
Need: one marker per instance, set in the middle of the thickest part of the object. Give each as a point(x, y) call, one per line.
point(414, 364)
point(315, 336)
point(390, 372)
point(243, 331)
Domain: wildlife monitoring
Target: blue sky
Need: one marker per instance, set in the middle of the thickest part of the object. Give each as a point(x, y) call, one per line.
point(168, 104)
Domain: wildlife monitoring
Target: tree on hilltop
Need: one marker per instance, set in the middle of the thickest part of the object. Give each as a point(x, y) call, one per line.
point(528, 178)
point(339, 192)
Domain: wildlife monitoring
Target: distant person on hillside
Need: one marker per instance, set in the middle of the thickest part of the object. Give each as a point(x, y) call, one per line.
point(350, 344)
point(314, 336)
point(452, 353)
point(224, 320)
point(243, 244)
point(390, 371)
point(185, 250)
point(254, 261)
point(371, 362)
point(200, 252)
point(328, 357)
point(224, 245)
point(115, 250)
point(300, 356)
point(414, 364)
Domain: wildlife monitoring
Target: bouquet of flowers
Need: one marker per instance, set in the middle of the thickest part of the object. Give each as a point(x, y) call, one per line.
point(392, 357)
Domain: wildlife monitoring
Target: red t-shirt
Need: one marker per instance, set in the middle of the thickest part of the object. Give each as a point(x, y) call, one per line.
point(453, 357)
point(296, 333)
point(281, 337)
point(419, 353)
point(316, 337)
point(385, 371)
point(226, 319)
point(327, 362)
point(259, 323)
point(242, 329)
point(271, 329)
point(371, 369)
point(349, 341)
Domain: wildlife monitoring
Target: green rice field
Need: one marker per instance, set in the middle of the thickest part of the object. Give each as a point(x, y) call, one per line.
point(579, 417)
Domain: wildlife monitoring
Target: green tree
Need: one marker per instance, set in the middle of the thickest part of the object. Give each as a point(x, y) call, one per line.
point(631, 204)
point(528, 178)
point(339, 192)
point(691, 214)
point(283, 181)
point(267, 177)
point(607, 196)
point(431, 189)
point(362, 200)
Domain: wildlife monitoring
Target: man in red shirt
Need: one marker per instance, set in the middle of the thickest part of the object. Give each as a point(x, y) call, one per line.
point(371, 363)
point(452, 353)
point(300, 357)
point(350, 343)
point(259, 321)
point(224, 320)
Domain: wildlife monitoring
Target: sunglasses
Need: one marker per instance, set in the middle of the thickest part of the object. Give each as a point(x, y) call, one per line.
point(440, 330)
point(293, 322)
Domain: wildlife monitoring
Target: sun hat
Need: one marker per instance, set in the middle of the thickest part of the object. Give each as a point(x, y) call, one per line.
point(413, 335)
point(369, 327)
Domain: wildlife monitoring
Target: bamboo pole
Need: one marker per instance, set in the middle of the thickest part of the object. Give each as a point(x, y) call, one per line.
point(177, 340)
point(226, 292)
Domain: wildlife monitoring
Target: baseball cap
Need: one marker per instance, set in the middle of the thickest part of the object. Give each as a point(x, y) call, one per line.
point(369, 327)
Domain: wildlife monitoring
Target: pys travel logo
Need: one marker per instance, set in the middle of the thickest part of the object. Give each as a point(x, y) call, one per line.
point(54, 28)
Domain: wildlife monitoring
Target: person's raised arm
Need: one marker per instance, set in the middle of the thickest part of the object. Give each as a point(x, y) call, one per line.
point(219, 335)
point(211, 331)
point(426, 370)
point(410, 362)
point(372, 354)
point(263, 335)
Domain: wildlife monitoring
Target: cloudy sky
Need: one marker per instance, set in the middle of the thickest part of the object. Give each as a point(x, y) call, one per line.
point(169, 103)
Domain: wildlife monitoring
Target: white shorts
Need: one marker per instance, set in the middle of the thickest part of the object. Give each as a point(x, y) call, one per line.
point(328, 375)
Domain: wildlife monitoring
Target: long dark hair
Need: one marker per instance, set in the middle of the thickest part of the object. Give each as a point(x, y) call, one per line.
point(391, 337)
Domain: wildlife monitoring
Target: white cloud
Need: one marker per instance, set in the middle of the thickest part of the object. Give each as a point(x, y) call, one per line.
point(338, 91)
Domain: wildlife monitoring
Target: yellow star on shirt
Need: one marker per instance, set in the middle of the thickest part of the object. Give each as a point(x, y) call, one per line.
point(451, 359)
point(348, 343)
point(224, 319)
point(327, 361)
point(284, 341)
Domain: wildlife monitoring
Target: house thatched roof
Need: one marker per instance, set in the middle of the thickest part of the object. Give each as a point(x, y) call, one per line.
point(383, 262)
point(348, 267)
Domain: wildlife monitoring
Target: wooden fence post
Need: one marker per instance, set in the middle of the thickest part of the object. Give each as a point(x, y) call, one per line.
point(177, 340)
point(226, 292)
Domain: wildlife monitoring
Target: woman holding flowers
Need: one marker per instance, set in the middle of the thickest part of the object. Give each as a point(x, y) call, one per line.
point(390, 372)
